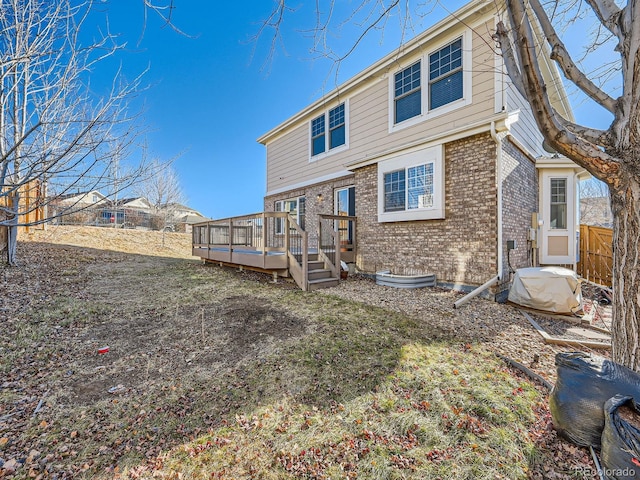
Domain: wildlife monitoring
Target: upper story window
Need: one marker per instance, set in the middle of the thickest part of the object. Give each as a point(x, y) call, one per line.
point(323, 139)
point(336, 127)
point(407, 93)
point(435, 84)
point(317, 136)
point(445, 75)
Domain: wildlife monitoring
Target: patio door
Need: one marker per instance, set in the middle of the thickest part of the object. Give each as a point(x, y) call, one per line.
point(345, 205)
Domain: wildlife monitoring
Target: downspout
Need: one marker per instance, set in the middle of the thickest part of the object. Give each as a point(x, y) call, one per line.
point(498, 277)
point(498, 141)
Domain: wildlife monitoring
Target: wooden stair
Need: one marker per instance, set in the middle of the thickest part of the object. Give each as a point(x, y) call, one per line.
point(318, 276)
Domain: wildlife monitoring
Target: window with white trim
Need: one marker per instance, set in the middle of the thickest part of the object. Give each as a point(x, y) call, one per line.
point(436, 83)
point(407, 93)
point(558, 213)
point(324, 140)
point(414, 192)
point(445, 75)
point(411, 186)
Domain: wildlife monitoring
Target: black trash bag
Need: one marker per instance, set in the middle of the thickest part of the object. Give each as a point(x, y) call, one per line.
point(585, 382)
point(620, 453)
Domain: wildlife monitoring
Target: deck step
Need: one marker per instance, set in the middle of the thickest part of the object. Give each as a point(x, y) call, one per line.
point(319, 273)
point(315, 265)
point(322, 283)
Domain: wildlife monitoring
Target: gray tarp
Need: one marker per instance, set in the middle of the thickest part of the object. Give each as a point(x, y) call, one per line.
point(553, 289)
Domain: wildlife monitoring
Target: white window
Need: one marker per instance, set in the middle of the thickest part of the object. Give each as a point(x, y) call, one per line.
point(295, 207)
point(407, 93)
point(558, 204)
point(437, 83)
point(327, 140)
point(411, 186)
point(445, 75)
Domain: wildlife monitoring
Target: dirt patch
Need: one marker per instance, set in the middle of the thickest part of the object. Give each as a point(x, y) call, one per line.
point(152, 346)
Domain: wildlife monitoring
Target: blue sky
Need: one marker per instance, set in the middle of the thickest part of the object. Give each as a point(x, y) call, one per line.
point(211, 95)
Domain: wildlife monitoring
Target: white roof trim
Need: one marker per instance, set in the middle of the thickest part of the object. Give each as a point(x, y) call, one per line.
point(313, 181)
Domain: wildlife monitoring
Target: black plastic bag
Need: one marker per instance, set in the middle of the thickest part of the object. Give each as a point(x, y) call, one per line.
point(621, 439)
point(585, 382)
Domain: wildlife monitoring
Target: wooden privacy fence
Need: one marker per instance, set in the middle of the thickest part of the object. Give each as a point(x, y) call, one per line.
point(596, 254)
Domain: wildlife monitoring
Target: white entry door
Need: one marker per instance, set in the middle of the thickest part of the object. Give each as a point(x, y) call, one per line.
point(558, 215)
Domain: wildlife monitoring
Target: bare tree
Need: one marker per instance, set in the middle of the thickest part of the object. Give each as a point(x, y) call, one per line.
point(55, 132)
point(161, 187)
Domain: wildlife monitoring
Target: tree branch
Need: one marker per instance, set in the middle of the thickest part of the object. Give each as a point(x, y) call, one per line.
point(609, 14)
point(563, 59)
point(599, 137)
point(586, 154)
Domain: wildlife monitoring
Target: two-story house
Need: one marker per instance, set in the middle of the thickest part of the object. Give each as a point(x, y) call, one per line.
point(427, 162)
point(437, 156)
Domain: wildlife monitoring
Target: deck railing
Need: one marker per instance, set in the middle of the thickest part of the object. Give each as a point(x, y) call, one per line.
point(270, 241)
point(329, 243)
point(345, 228)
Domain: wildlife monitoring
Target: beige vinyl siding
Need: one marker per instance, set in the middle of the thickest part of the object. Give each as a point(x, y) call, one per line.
point(287, 158)
point(525, 130)
point(288, 155)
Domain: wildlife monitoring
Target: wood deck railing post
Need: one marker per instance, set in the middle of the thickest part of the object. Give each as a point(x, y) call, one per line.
point(264, 234)
point(337, 246)
point(305, 261)
point(354, 245)
point(287, 233)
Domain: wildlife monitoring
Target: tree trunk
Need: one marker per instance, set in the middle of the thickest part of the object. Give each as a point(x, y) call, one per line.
point(12, 229)
point(625, 204)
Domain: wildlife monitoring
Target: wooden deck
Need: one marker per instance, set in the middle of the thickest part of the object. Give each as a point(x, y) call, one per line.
point(273, 242)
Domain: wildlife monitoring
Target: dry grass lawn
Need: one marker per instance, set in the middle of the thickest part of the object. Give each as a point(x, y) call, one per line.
point(215, 373)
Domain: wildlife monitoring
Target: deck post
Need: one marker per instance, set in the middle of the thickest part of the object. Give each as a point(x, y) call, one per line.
point(264, 234)
point(337, 246)
point(287, 234)
point(305, 260)
point(230, 239)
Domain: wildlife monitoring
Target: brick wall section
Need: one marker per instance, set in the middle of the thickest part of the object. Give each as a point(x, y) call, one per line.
point(459, 249)
point(313, 205)
point(519, 201)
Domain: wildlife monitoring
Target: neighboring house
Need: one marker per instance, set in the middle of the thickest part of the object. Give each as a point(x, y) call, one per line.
point(185, 217)
point(180, 217)
point(76, 208)
point(78, 200)
point(437, 156)
point(133, 211)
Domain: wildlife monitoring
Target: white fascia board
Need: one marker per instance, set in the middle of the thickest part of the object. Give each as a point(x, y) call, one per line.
point(313, 181)
point(460, 16)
